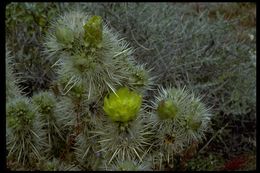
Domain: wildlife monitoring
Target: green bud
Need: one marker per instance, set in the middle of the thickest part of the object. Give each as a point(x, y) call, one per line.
point(123, 105)
point(45, 101)
point(167, 109)
point(139, 78)
point(64, 35)
point(93, 31)
point(194, 124)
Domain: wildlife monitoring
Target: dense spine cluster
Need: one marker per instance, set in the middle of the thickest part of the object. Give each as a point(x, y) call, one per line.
point(87, 51)
point(46, 105)
point(25, 137)
point(180, 119)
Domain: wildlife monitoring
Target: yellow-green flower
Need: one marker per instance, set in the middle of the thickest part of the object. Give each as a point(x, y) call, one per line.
point(123, 105)
point(167, 109)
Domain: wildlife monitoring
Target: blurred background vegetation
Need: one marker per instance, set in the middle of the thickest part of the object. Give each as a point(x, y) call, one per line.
point(209, 47)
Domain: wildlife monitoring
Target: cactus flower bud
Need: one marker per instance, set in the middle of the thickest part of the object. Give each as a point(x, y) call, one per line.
point(166, 109)
point(93, 31)
point(64, 35)
point(192, 123)
point(123, 105)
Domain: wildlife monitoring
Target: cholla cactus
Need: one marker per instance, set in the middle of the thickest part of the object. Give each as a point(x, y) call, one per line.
point(124, 134)
point(87, 147)
point(46, 103)
point(73, 109)
point(76, 118)
point(94, 65)
point(180, 119)
point(186, 111)
point(92, 62)
point(88, 52)
point(123, 142)
point(25, 139)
